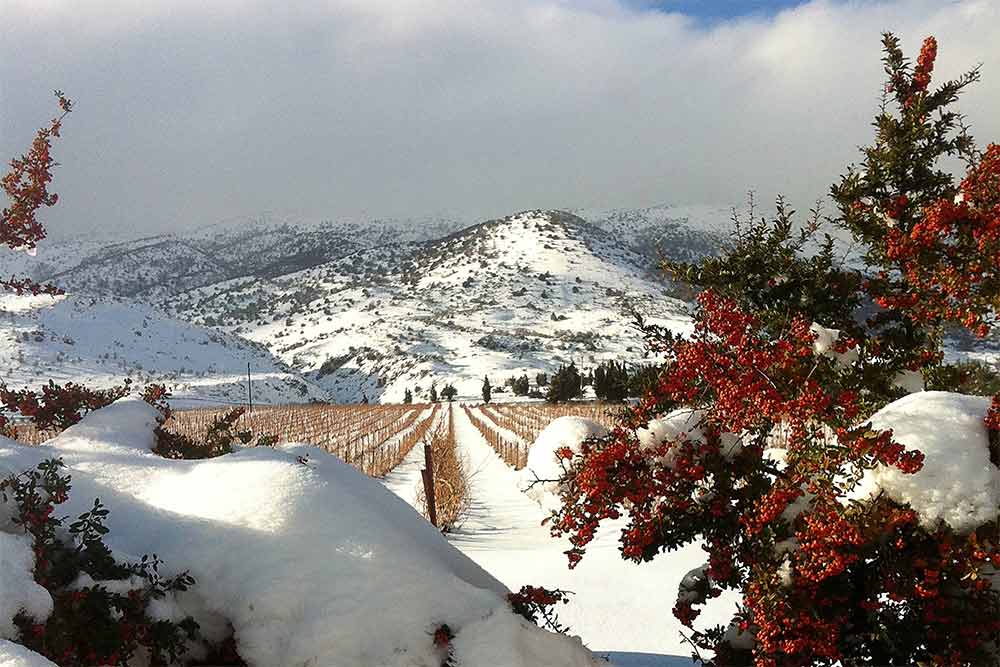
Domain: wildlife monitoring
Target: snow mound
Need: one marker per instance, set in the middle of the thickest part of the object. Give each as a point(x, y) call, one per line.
point(958, 485)
point(18, 590)
point(15, 655)
point(682, 424)
point(543, 458)
point(309, 561)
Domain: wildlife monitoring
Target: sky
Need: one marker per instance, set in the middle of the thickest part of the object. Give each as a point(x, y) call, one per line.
point(191, 112)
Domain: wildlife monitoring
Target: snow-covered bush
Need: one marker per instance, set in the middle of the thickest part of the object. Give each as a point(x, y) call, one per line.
point(299, 557)
point(68, 598)
point(549, 454)
point(860, 525)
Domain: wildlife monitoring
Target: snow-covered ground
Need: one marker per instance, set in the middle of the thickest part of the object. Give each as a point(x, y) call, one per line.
point(101, 341)
point(310, 562)
point(619, 609)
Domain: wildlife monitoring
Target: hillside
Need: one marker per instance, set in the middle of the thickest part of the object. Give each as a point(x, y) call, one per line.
point(103, 340)
point(370, 308)
point(518, 295)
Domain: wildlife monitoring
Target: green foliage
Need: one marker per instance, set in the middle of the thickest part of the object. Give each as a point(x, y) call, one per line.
point(520, 386)
point(96, 621)
point(794, 349)
point(487, 389)
point(566, 384)
point(449, 392)
point(965, 377)
point(611, 381)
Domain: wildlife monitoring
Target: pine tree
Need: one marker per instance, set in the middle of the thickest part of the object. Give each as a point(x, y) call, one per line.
point(407, 396)
point(564, 385)
point(449, 392)
point(434, 393)
point(611, 381)
point(487, 389)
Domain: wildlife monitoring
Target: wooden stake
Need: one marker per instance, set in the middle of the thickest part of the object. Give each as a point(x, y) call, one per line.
point(428, 476)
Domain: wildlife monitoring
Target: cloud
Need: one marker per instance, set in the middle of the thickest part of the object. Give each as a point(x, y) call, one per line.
point(191, 112)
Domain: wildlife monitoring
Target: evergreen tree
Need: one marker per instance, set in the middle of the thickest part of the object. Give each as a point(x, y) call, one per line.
point(434, 393)
point(565, 384)
point(611, 381)
point(407, 396)
point(541, 380)
point(449, 392)
point(487, 389)
point(793, 351)
point(643, 379)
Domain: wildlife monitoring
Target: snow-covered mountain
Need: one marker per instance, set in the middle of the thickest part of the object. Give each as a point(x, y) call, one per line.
point(101, 341)
point(341, 310)
point(523, 294)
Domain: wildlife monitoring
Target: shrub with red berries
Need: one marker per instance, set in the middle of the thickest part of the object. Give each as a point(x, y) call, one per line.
point(793, 349)
point(58, 406)
point(100, 610)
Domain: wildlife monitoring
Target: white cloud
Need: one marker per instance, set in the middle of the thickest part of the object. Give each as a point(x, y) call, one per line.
point(189, 112)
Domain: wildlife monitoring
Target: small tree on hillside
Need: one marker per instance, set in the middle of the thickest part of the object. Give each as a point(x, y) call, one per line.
point(487, 389)
point(611, 379)
point(434, 393)
point(449, 392)
point(407, 396)
point(565, 384)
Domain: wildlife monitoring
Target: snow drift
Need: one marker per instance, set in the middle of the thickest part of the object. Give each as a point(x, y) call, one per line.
point(310, 562)
point(15, 655)
point(543, 458)
point(958, 484)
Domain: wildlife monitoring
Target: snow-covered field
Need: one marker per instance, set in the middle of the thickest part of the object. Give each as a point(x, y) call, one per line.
point(308, 562)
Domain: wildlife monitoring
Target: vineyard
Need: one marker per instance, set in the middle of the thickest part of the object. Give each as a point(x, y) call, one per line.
point(472, 456)
point(510, 428)
point(376, 438)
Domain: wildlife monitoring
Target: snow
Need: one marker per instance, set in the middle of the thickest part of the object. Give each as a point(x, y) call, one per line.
point(18, 590)
point(681, 424)
point(310, 561)
point(543, 460)
point(958, 485)
point(15, 655)
point(824, 345)
point(620, 609)
point(909, 381)
point(99, 342)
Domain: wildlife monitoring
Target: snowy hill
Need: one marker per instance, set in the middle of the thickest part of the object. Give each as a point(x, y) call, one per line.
point(359, 308)
point(675, 232)
point(103, 340)
point(518, 295)
point(157, 267)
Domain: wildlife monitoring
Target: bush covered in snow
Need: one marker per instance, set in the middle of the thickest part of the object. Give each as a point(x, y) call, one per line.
point(295, 554)
point(859, 524)
point(548, 455)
